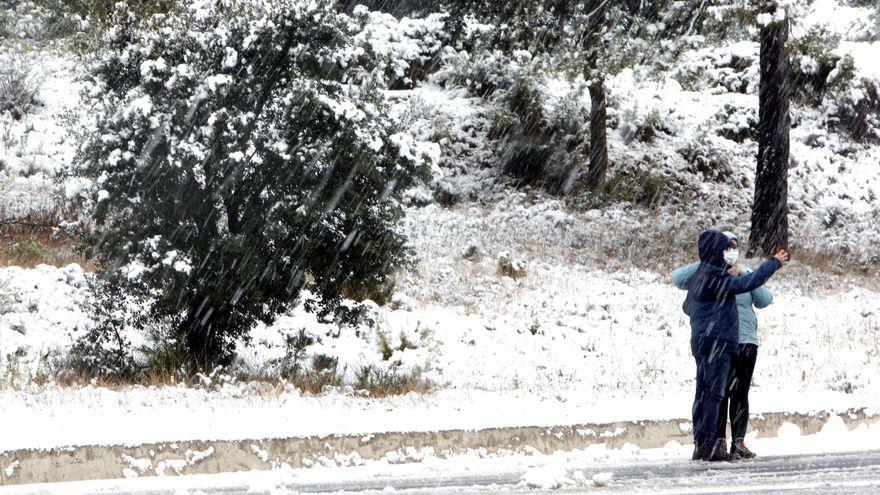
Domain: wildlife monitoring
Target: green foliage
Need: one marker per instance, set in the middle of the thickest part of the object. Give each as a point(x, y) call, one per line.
point(27, 251)
point(165, 354)
point(379, 381)
point(232, 168)
point(706, 159)
point(539, 137)
point(639, 187)
point(812, 62)
point(394, 53)
point(103, 12)
point(295, 353)
point(384, 345)
point(737, 123)
point(104, 350)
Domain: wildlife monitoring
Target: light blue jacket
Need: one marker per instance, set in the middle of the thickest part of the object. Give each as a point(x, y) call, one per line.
point(748, 320)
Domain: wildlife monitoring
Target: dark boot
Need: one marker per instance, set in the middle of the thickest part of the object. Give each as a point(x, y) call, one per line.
point(702, 452)
point(719, 452)
point(738, 450)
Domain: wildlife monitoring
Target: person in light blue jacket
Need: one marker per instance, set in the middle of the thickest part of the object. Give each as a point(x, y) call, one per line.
point(743, 365)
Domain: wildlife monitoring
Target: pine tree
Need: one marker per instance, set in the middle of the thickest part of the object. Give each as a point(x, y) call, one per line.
point(234, 168)
point(770, 208)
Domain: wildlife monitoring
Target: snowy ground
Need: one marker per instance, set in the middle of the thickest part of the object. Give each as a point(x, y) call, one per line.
point(831, 461)
point(590, 358)
point(36, 148)
point(47, 417)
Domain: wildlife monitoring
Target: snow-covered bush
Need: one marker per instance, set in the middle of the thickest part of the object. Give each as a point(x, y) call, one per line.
point(37, 19)
point(850, 99)
point(102, 12)
point(539, 134)
point(706, 159)
point(397, 53)
point(231, 167)
point(642, 185)
point(7, 298)
point(857, 110)
point(714, 20)
point(19, 91)
point(813, 59)
point(643, 127)
point(398, 8)
point(538, 144)
point(837, 75)
point(731, 68)
point(874, 27)
point(293, 363)
point(511, 25)
point(509, 266)
point(485, 71)
point(105, 350)
point(737, 123)
point(861, 3)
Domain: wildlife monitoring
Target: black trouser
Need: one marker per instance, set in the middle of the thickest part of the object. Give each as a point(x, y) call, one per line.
point(737, 396)
point(712, 377)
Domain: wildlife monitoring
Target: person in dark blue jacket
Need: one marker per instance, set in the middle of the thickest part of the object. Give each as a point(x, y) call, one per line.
point(712, 308)
point(743, 364)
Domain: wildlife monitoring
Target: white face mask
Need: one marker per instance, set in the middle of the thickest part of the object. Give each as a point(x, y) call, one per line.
point(731, 256)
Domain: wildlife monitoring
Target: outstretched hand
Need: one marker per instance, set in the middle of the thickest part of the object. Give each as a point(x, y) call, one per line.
point(782, 256)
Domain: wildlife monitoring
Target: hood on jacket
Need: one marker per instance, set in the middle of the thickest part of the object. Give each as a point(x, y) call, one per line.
point(712, 245)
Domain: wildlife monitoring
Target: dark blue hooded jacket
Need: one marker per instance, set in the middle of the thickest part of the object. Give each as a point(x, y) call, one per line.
point(711, 296)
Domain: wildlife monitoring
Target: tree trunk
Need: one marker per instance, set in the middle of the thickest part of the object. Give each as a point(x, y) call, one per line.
point(598, 136)
point(203, 344)
point(859, 126)
point(596, 24)
point(770, 208)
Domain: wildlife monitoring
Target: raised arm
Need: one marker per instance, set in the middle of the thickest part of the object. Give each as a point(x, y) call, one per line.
point(681, 276)
point(750, 282)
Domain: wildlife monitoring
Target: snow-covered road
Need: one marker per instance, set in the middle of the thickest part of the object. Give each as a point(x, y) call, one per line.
point(837, 473)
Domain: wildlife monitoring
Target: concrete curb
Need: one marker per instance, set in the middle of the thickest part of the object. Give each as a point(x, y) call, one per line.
point(94, 462)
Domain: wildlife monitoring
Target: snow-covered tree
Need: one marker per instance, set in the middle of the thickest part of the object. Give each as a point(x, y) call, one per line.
point(233, 167)
point(541, 36)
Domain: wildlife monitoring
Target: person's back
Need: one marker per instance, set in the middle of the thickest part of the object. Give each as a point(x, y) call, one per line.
point(745, 302)
point(711, 305)
point(711, 297)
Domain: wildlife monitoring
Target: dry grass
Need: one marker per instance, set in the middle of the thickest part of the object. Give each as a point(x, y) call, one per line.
point(371, 382)
point(39, 247)
point(31, 239)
